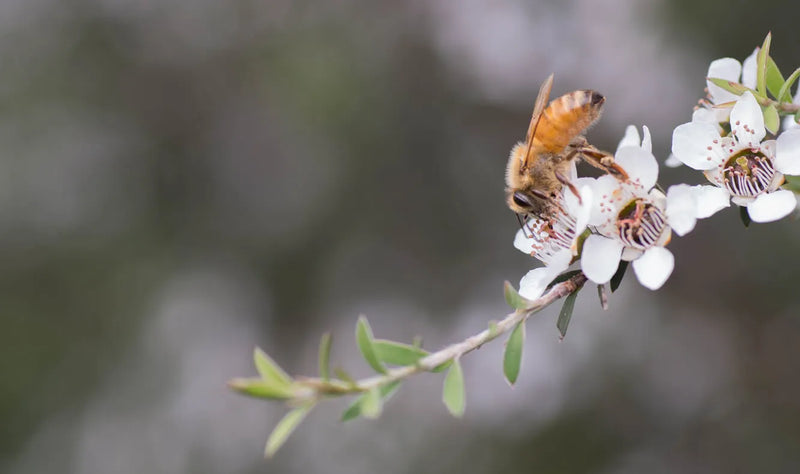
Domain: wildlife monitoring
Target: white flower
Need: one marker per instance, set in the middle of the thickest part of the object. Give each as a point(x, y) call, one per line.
point(731, 70)
point(554, 241)
point(789, 121)
point(634, 220)
point(751, 171)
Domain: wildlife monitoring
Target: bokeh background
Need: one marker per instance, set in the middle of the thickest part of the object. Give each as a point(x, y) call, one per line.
point(181, 181)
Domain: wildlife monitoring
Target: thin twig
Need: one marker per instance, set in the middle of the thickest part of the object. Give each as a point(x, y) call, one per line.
point(454, 351)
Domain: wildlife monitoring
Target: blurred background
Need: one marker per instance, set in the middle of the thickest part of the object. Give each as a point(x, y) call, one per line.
point(181, 181)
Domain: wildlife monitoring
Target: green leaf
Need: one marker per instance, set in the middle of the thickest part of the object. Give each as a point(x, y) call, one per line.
point(364, 340)
point(761, 65)
point(344, 376)
point(744, 216)
point(397, 353)
point(269, 370)
point(325, 356)
point(566, 313)
point(512, 358)
point(730, 86)
point(354, 410)
point(453, 394)
point(492, 329)
point(371, 405)
point(262, 388)
point(442, 367)
point(785, 94)
point(772, 121)
point(797, 117)
point(284, 428)
point(514, 299)
point(792, 183)
point(617, 278)
point(774, 78)
point(562, 278)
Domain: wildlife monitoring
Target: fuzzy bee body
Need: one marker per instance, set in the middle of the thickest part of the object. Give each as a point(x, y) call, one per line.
point(539, 167)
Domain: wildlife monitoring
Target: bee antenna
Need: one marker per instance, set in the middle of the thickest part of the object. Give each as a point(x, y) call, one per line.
point(523, 224)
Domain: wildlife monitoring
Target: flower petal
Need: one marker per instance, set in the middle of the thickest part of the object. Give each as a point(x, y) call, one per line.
point(647, 142)
point(747, 121)
point(654, 267)
point(672, 162)
point(772, 206)
point(703, 114)
point(749, 72)
point(787, 152)
point(725, 68)
point(681, 208)
point(523, 243)
point(603, 190)
point(600, 258)
point(641, 165)
point(710, 199)
point(694, 145)
point(533, 284)
point(631, 137)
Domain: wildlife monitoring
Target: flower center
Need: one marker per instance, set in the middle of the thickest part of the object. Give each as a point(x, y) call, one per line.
point(748, 174)
point(552, 235)
point(640, 224)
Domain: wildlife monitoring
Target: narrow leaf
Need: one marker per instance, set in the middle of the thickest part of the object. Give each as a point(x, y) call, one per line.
point(397, 353)
point(284, 428)
point(512, 358)
point(344, 376)
point(262, 388)
point(371, 405)
point(325, 356)
point(268, 369)
point(562, 278)
point(617, 278)
point(492, 329)
point(744, 216)
point(772, 121)
point(453, 393)
point(566, 313)
point(730, 86)
point(775, 79)
point(354, 410)
point(601, 293)
point(364, 339)
point(761, 65)
point(513, 298)
point(792, 183)
point(442, 367)
point(785, 94)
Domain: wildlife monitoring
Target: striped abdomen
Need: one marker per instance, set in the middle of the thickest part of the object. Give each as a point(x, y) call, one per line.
point(565, 118)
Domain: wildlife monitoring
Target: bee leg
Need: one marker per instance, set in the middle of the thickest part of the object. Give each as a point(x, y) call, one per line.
point(602, 160)
point(563, 180)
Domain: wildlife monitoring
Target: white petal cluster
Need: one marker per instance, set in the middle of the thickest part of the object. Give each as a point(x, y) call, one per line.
point(747, 167)
point(617, 218)
point(634, 220)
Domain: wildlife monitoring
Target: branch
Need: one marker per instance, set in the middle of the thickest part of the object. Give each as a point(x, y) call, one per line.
point(455, 351)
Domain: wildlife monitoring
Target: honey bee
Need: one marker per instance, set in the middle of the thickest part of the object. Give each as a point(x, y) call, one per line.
point(539, 167)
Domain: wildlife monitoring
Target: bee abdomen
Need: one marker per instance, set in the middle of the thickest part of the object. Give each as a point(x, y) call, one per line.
point(567, 117)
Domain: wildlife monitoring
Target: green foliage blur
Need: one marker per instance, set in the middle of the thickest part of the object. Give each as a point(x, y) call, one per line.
point(183, 181)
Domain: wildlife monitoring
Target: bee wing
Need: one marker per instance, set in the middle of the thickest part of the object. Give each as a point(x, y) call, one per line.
point(538, 108)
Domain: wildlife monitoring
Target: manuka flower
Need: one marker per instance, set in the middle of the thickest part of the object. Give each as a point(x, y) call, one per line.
point(634, 220)
point(554, 241)
point(729, 69)
point(751, 171)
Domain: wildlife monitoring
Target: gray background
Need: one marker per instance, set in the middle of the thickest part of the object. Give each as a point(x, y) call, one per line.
point(183, 180)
